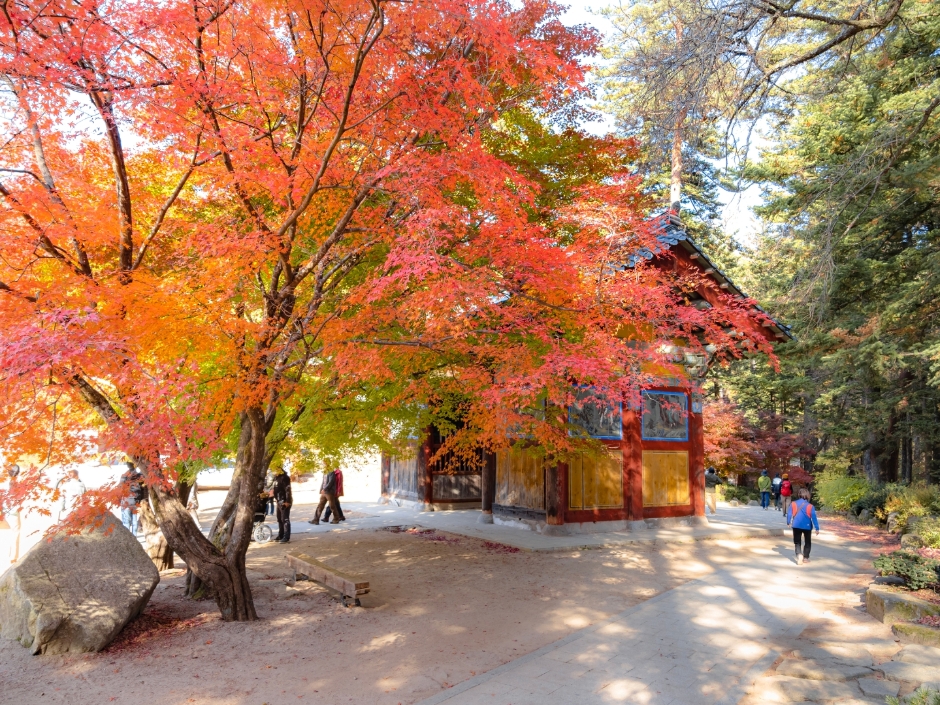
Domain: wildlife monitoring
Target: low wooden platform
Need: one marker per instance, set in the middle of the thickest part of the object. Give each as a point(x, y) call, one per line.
point(348, 586)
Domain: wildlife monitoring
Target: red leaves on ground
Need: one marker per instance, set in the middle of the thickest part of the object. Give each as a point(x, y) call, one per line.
point(152, 626)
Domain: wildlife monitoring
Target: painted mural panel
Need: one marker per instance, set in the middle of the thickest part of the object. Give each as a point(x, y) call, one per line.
point(665, 416)
point(596, 482)
point(594, 417)
point(520, 479)
point(665, 478)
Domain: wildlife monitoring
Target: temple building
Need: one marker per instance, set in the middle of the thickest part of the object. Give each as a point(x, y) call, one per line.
point(652, 471)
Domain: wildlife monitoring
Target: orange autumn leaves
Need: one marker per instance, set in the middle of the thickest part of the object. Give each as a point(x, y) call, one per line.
point(215, 208)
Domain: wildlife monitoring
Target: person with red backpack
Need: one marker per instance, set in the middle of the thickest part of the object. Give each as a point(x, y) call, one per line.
point(786, 494)
point(802, 518)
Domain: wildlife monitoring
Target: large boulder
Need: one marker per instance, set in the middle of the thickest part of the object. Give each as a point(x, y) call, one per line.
point(75, 593)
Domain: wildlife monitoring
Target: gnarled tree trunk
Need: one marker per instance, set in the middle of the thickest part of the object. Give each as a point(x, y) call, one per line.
point(155, 543)
point(221, 568)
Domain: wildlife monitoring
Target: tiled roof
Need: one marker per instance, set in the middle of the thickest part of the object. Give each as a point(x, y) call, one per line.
point(673, 235)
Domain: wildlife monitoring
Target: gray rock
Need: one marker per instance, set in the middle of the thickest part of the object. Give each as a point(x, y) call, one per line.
point(911, 541)
point(892, 522)
point(753, 503)
point(879, 688)
point(822, 670)
point(74, 594)
point(734, 503)
point(864, 515)
point(889, 580)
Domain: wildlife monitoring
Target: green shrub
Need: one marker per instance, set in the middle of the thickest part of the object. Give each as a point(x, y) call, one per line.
point(873, 500)
point(910, 501)
point(918, 572)
point(922, 696)
point(742, 494)
point(838, 492)
point(929, 531)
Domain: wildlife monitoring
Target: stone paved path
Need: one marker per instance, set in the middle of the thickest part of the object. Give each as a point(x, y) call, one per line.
point(713, 640)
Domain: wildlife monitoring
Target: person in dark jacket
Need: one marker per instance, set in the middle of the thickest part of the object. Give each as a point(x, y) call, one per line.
point(339, 493)
point(284, 499)
point(327, 495)
point(712, 480)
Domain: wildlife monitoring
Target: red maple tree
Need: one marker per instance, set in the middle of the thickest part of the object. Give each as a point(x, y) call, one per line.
point(210, 206)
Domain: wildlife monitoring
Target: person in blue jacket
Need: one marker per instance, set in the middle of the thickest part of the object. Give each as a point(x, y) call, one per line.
point(802, 518)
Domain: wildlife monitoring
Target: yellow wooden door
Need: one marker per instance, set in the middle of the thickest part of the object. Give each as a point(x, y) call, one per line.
point(665, 478)
point(596, 482)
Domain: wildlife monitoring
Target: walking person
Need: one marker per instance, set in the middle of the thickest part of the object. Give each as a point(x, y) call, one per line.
point(327, 495)
point(11, 512)
point(135, 492)
point(339, 493)
point(712, 480)
point(802, 519)
point(763, 485)
point(786, 494)
point(775, 490)
point(284, 498)
point(70, 489)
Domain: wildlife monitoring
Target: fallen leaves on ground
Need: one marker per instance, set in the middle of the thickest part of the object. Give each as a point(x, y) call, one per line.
point(151, 625)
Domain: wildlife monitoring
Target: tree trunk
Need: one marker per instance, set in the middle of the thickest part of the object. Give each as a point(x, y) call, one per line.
point(871, 461)
point(155, 543)
point(675, 177)
point(675, 180)
point(220, 570)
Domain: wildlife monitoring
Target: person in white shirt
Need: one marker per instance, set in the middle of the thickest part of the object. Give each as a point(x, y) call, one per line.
point(70, 488)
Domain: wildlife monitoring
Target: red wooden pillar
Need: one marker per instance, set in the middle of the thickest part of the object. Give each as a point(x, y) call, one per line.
point(488, 488)
point(632, 465)
point(425, 481)
point(555, 495)
point(697, 461)
point(386, 472)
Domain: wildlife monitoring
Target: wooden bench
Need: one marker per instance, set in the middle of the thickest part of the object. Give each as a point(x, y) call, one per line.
point(348, 586)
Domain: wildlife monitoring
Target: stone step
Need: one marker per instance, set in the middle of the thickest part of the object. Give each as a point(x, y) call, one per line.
point(917, 653)
point(784, 689)
point(879, 688)
point(913, 672)
point(822, 670)
point(848, 654)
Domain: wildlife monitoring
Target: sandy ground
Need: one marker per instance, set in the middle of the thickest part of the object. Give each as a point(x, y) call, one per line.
point(442, 609)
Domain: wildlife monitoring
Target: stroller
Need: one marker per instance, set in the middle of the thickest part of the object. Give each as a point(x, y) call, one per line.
point(261, 533)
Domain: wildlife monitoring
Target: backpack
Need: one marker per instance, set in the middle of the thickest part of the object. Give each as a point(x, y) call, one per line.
point(795, 507)
point(786, 489)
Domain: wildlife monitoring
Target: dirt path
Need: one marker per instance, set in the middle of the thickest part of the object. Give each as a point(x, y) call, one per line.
point(443, 608)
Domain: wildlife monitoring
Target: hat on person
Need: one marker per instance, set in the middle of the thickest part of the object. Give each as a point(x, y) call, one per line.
point(14, 470)
point(785, 476)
